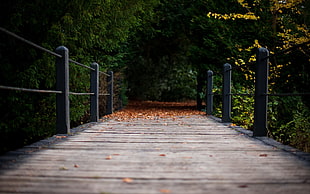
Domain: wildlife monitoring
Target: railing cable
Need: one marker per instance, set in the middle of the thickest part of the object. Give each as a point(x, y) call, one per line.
point(46, 50)
point(289, 94)
point(81, 94)
point(29, 42)
point(242, 94)
point(104, 73)
point(287, 50)
point(80, 64)
point(30, 90)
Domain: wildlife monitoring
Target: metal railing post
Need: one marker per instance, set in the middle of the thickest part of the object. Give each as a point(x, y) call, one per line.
point(261, 89)
point(62, 84)
point(226, 108)
point(110, 91)
point(94, 88)
point(209, 96)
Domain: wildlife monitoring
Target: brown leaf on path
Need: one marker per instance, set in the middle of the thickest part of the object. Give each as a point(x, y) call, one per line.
point(60, 136)
point(76, 165)
point(162, 154)
point(127, 180)
point(108, 157)
point(263, 155)
point(153, 110)
point(165, 191)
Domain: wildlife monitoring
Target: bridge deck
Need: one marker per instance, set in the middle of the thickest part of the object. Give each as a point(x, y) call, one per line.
point(192, 154)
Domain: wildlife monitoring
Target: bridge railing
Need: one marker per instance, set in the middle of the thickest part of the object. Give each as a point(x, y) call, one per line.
point(260, 95)
point(62, 86)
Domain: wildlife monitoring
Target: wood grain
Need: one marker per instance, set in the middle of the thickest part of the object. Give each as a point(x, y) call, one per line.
point(193, 154)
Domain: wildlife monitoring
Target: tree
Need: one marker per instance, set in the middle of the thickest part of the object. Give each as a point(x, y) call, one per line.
point(282, 27)
point(95, 30)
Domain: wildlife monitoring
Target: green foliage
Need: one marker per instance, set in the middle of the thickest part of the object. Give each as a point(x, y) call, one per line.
point(95, 30)
point(164, 48)
point(158, 68)
point(289, 121)
point(243, 108)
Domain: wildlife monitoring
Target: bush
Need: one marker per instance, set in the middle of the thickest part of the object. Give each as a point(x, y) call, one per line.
point(289, 121)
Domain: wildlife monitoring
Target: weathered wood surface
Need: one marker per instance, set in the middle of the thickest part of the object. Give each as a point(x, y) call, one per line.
point(185, 155)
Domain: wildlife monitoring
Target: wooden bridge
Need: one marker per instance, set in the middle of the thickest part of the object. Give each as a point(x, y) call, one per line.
point(181, 154)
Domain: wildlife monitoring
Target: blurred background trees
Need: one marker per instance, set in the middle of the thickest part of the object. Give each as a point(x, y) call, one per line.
point(162, 49)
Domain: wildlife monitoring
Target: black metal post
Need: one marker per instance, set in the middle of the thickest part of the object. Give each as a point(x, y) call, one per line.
point(110, 91)
point(62, 84)
point(261, 89)
point(209, 95)
point(94, 88)
point(226, 108)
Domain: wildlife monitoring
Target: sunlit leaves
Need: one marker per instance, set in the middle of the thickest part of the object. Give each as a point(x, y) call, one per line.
point(234, 16)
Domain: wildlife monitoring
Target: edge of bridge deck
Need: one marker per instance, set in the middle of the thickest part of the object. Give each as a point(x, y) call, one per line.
point(12, 155)
point(268, 141)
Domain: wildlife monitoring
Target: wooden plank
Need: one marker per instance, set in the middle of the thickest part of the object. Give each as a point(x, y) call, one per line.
point(185, 155)
point(145, 186)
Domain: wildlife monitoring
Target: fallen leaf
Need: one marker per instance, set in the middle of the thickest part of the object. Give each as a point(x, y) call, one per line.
point(76, 165)
point(115, 154)
point(63, 168)
point(127, 180)
point(263, 155)
point(242, 186)
point(152, 110)
point(162, 154)
point(165, 191)
point(108, 157)
point(60, 136)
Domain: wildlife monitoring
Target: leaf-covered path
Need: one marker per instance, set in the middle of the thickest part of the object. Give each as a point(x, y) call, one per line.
point(145, 152)
point(155, 110)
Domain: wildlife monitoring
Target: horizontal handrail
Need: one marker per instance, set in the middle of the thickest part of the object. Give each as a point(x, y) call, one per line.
point(289, 94)
point(80, 64)
point(81, 94)
point(261, 91)
point(29, 42)
point(236, 94)
point(62, 85)
point(104, 94)
point(29, 90)
point(104, 73)
point(287, 50)
point(46, 50)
